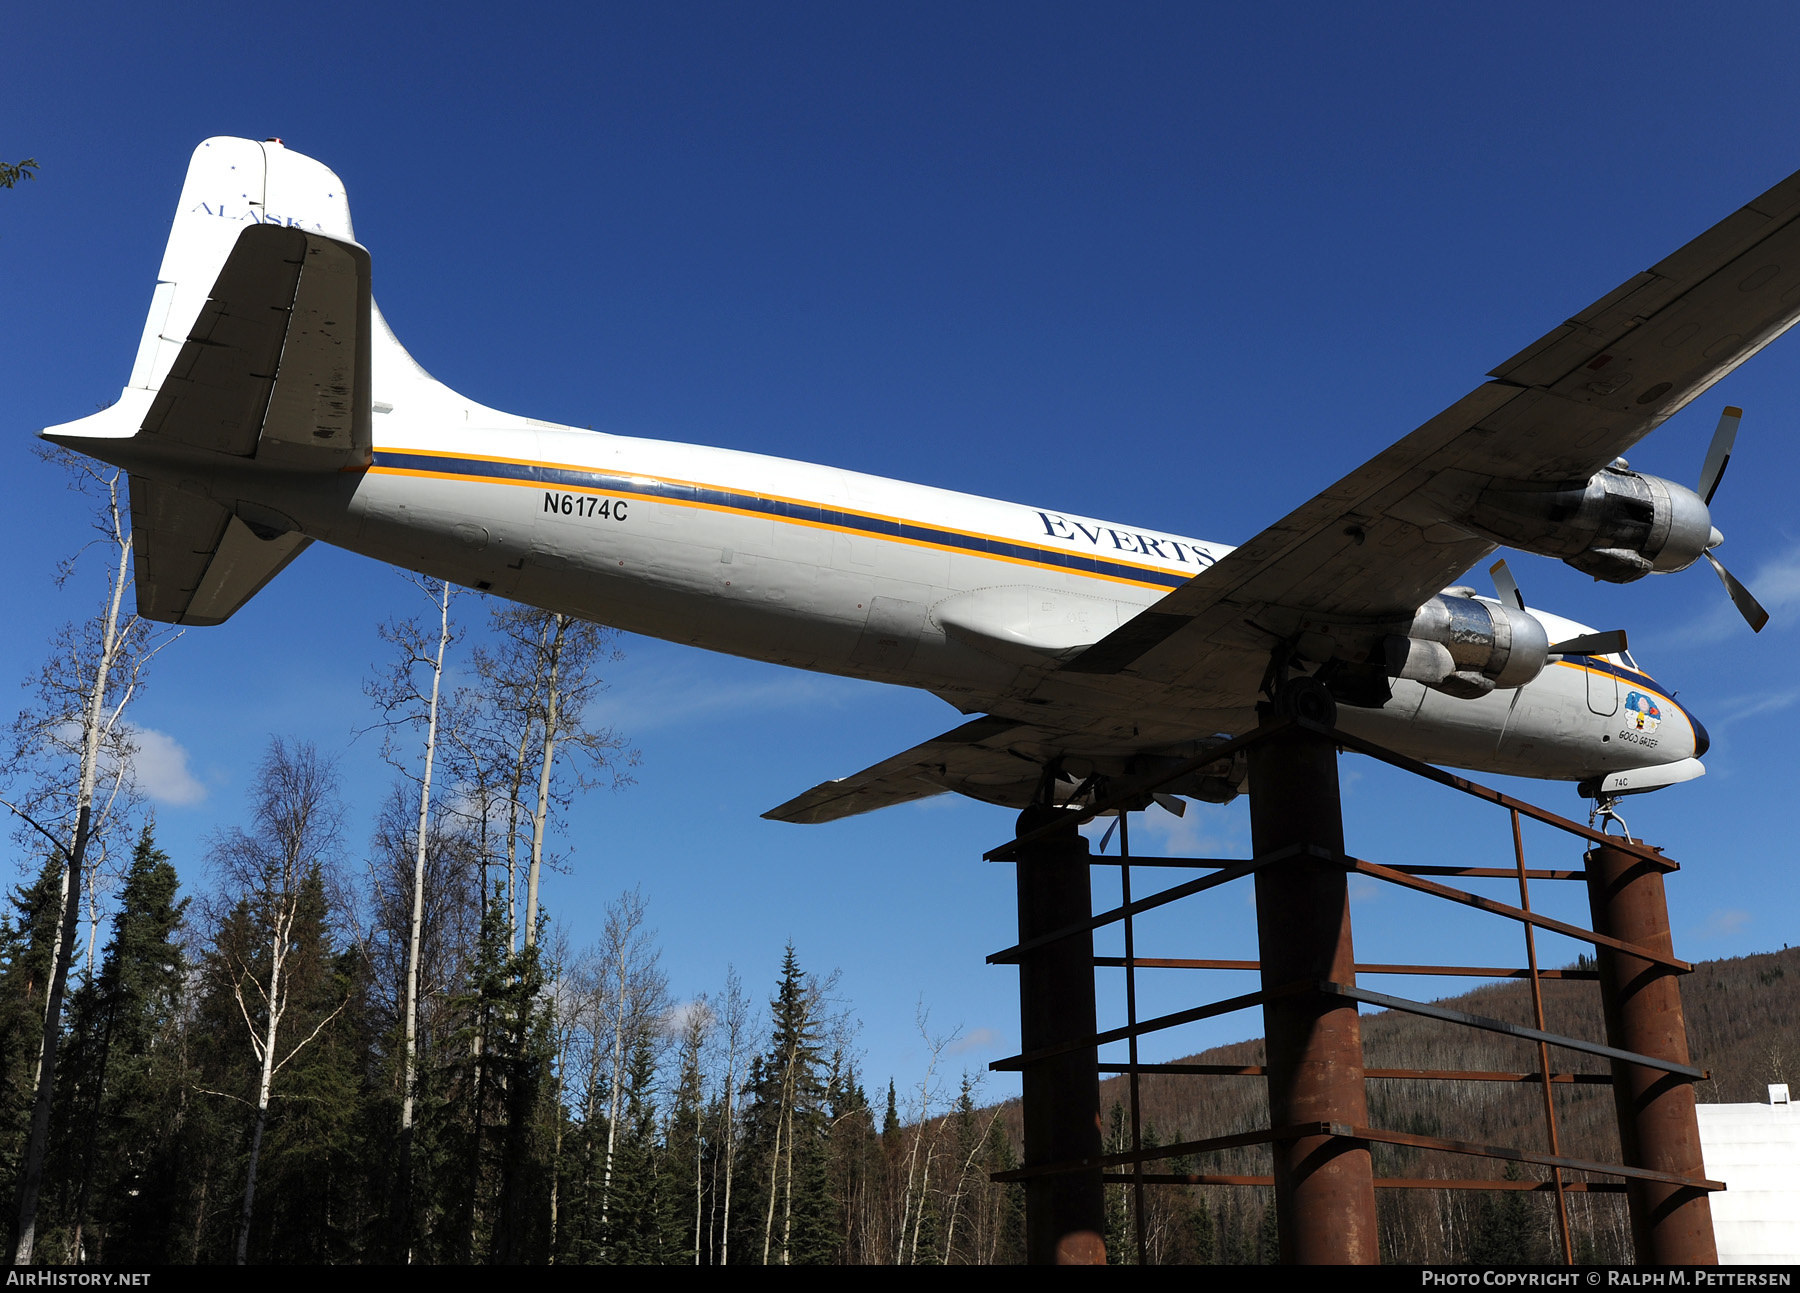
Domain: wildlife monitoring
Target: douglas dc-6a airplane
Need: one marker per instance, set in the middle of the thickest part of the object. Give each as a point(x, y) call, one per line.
point(270, 405)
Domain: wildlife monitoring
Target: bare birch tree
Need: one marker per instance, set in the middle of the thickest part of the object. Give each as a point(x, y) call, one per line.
point(75, 747)
point(735, 1023)
point(695, 1032)
point(922, 1153)
point(545, 669)
point(627, 997)
point(407, 703)
point(271, 872)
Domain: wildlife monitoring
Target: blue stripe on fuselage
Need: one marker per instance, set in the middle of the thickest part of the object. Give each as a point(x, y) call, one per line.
point(781, 509)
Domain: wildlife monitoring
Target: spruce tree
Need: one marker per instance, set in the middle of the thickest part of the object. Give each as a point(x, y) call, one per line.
point(27, 946)
point(685, 1142)
point(125, 1065)
point(1201, 1237)
point(857, 1167)
point(491, 1113)
point(642, 1217)
point(788, 1221)
point(1510, 1230)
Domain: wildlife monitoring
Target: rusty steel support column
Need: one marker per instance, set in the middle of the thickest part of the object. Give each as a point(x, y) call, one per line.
point(1324, 1185)
point(1064, 1213)
point(1670, 1225)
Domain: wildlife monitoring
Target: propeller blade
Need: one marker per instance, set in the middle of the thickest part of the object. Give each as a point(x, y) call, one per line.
point(1748, 606)
point(1171, 803)
point(1107, 838)
point(1506, 585)
point(1608, 643)
point(1718, 454)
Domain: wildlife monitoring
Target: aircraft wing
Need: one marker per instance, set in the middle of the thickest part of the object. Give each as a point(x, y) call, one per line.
point(1381, 541)
point(974, 758)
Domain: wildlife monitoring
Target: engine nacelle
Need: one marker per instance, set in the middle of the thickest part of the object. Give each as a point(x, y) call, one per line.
point(1466, 648)
point(1617, 525)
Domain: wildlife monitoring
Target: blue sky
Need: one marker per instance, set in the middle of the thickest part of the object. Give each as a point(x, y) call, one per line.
point(1177, 265)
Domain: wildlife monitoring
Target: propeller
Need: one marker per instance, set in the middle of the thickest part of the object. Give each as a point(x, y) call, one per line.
point(1718, 454)
point(1505, 585)
point(1712, 471)
point(1610, 642)
point(1747, 606)
point(1169, 803)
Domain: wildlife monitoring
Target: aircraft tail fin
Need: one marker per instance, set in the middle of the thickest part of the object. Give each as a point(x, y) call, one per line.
point(231, 184)
point(262, 349)
point(256, 348)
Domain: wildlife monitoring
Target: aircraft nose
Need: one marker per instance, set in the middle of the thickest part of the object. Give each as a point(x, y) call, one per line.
point(1702, 742)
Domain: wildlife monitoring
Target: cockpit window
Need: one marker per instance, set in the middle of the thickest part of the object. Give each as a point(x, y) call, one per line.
point(1626, 660)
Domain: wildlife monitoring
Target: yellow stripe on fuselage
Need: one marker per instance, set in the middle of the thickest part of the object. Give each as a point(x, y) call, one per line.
point(764, 516)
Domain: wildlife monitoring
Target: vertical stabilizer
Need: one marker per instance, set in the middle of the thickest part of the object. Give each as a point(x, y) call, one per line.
point(231, 183)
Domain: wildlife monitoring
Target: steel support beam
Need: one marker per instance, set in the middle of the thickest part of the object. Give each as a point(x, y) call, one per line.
point(1324, 1184)
point(1064, 1212)
point(1671, 1224)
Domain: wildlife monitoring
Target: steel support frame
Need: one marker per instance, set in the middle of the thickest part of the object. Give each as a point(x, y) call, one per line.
point(1319, 1135)
point(1671, 1225)
point(1064, 1212)
point(1324, 1184)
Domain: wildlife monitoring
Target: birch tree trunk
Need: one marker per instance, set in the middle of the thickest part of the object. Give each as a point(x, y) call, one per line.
point(734, 1029)
point(97, 725)
point(409, 1071)
point(297, 820)
point(277, 1005)
point(540, 819)
point(614, 1091)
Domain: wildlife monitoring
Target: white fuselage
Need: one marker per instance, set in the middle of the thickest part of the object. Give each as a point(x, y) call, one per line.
point(977, 601)
point(843, 573)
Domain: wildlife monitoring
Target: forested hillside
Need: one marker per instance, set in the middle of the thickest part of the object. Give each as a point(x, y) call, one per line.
point(1743, 1018)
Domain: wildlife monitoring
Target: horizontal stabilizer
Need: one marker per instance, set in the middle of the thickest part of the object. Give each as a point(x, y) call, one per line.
point(277, 365)
point(196, 563)
point(952, 761)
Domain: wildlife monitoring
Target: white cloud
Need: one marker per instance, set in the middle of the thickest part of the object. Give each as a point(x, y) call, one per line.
point(674, 701)
point(1204, 831)
point(1742, 707)
point(685, 1013)
point(1724, 923)
point(1776, 584)
point(981, 1039)
point(160, 768)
